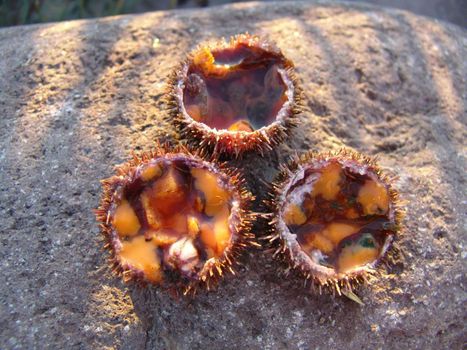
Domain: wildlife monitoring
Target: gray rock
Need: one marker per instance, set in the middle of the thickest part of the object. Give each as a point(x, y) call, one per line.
point(75, 99)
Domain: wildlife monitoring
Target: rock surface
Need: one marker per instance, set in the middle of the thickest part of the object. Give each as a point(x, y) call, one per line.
point(77, 97)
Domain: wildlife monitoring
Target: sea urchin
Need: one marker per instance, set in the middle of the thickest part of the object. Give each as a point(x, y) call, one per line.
point(174, 219)
point(236, 96)
point(333, 217)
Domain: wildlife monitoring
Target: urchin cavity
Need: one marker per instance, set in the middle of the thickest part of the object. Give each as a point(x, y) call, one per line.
point(174, 219)
point(238, 89)
point(335, 217)
point(236, 96)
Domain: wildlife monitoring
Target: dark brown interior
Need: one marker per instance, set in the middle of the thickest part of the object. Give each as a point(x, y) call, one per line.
point(241, 90)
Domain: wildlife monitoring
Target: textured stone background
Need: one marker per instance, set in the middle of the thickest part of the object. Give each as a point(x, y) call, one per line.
point(77, 97)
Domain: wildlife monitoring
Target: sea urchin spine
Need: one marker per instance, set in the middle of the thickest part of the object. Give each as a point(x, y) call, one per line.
point(333, 217)
point(233, 97)
point(174, 219)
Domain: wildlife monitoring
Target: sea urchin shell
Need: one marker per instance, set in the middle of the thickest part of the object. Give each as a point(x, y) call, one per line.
point(175, 219)
point(237, 96)
point(334, 217)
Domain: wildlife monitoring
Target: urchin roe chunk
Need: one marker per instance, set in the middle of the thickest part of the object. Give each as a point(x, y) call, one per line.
point(141, 255)
point(169, 192)
point(336, 231)
point(327, 239)
point(215, 196)
point(294, 215)
point(150, 172)
point(162, 237)
point(125, 220)
point(320, 242)
point(208, 237)
point(152, 216)
point(327, 184)
point(374, 198)
point(222, 229)
point(358, 253)
point(193, 226)
point(241, 125)
point(216, 235)
point(204, 59)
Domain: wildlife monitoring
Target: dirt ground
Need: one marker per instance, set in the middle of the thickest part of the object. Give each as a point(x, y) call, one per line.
point(77, 97)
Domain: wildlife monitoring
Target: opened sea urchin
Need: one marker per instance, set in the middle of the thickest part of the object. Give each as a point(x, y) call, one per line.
point(174, 219)
point(236, 96)
point(334, 217)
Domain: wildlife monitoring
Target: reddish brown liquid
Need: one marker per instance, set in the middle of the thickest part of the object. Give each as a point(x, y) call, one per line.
point(245, 96)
